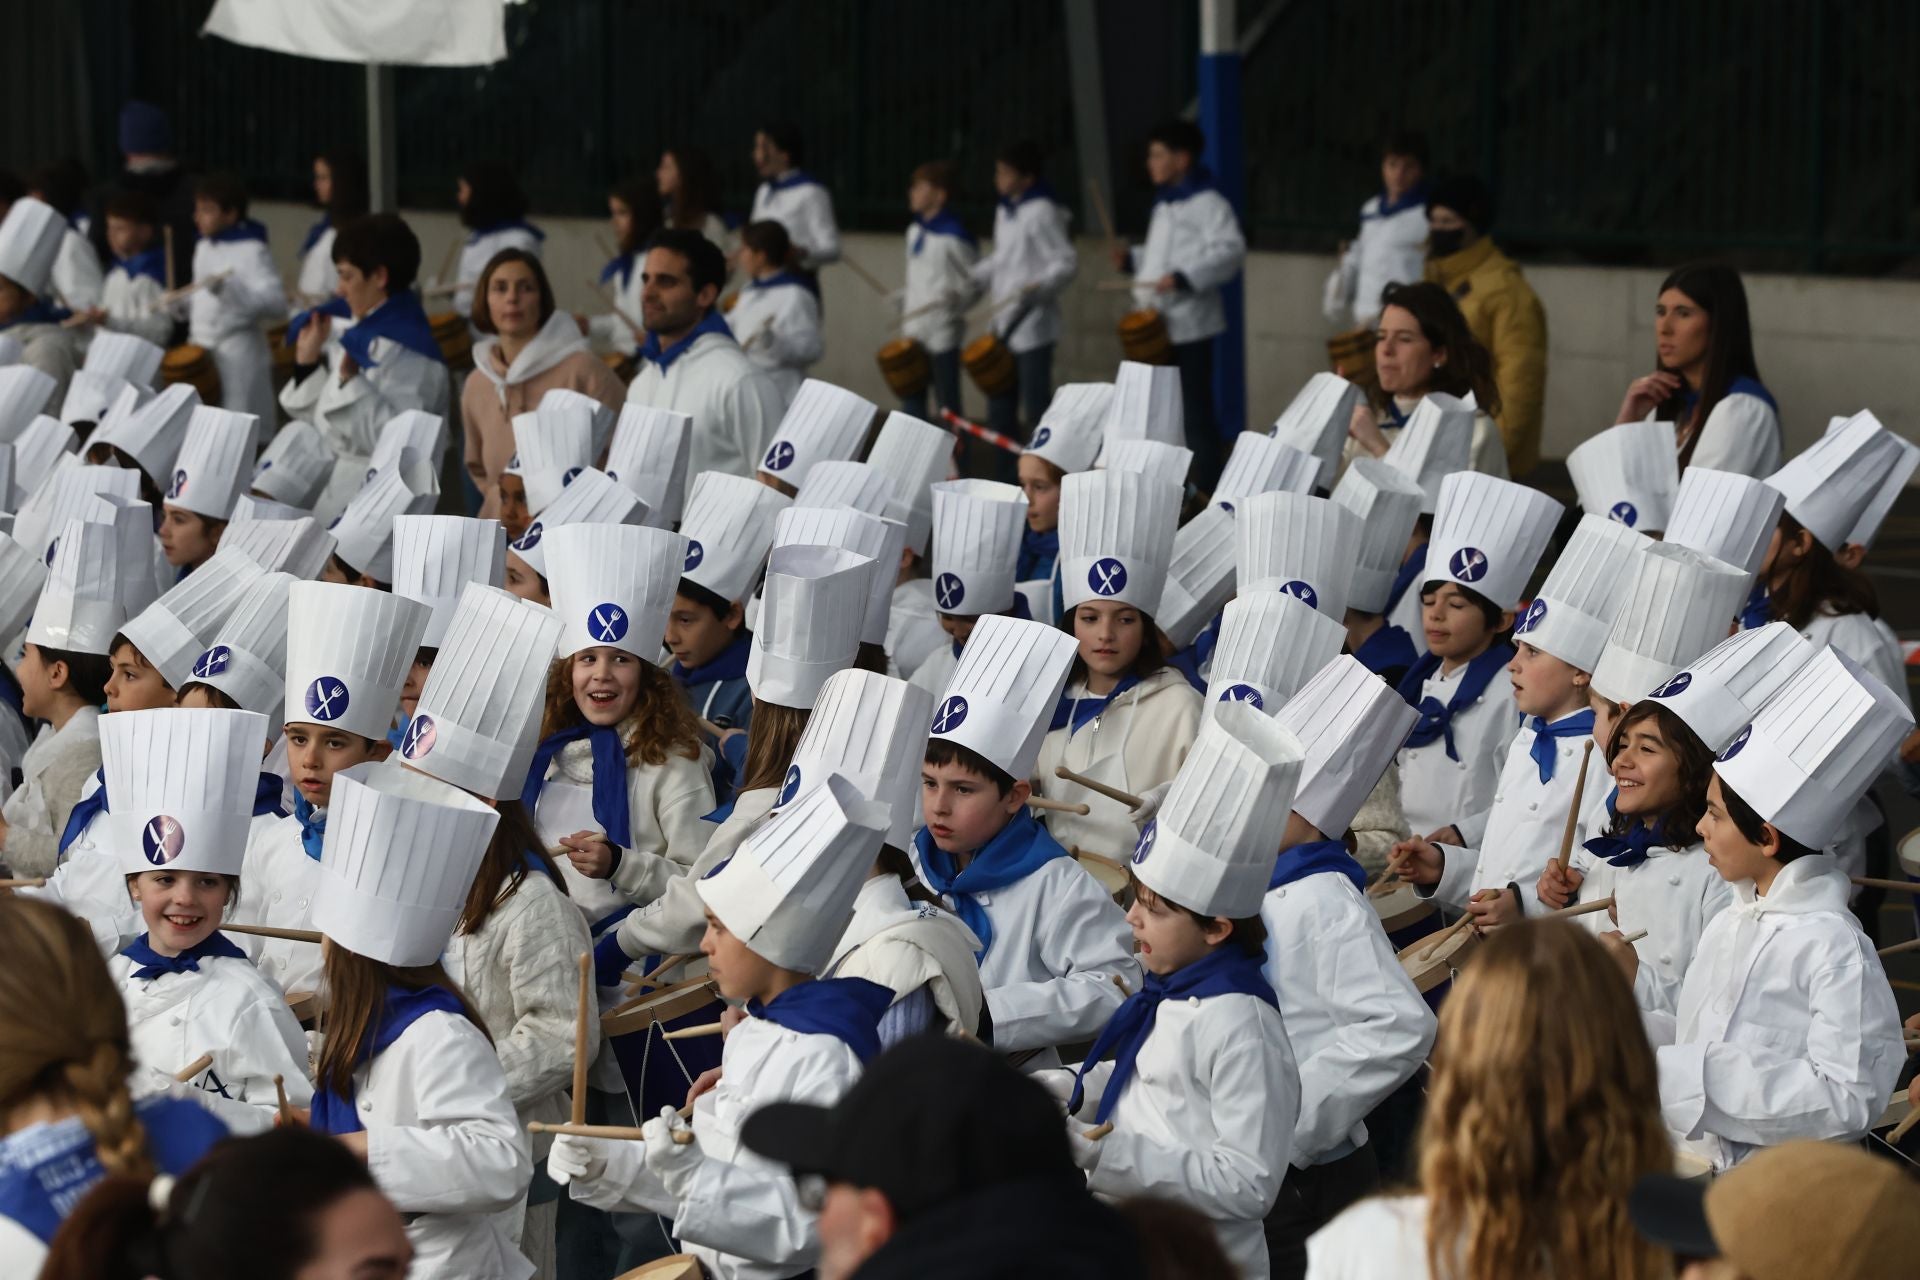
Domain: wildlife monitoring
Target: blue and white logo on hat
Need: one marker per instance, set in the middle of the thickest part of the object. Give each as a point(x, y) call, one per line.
point(1536, 614)
point(1734, 748)
point(695, 554)
point(951, 715)
point(531, 538)
point(950, 591)
point(212, 662)
point(1624, 513)
point(1144, 846)
point(1243, 693)
point(179, 485)
point(780, 456)
point(264, 467)
point(162, 839)
point(567, 478)
point(612, 474)
point(791, 786)
point(419, 738)
point(1225, 506)
point(1469, 564)
point(327, 699)
point(1108, 577)
point(607, 623)
point(51, 548)
point(1041, 437)
point(1678, 684)
point(1301, 591)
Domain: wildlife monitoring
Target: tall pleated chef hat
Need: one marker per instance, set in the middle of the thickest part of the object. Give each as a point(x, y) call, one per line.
point(36, 449)
point(1200, 575)
point(1891, 483)
point(1573, 614)
point(29, 242)
point(1304, 546)
point(1678, 605)
point(613, 584)
point(1037, 595)
point(649, 456)
point(251, 507)
point(917, 455)
point(126, 356)
point(415, 429)
point(182, 783)
point(9, 496)
point(1350, 722)
point(589, 498)
point(1722, 690)
point(478, 718)
point(348, 654)
point(177, 628)
point(215, 462)
point(25, 392)
point(1264, 464)
point(550, 448)
point(977, 527)
point(872, 730)
point(1270, 644)
point(22, 577)
point(880, 540)
point(1488, 534)
point(247, 657)
point(295, 467)
point(811, 611)
point(435, 557)
point(1832, 482)
point(152, 434)
point(788, 891)
point(729, 530)
point(80, 607)
point(1069, 432)
point(132, 522)
point(91, 396)
point(1145, 405)
point(1316, 421)
point(1212, 845)
point(363, 533)
point(400, 853)
point(68, 494)
point(1629, 473)
point(601, 415)
point(298, 546)
point(1436, 442)
point(1001, 697)
point(11, 351)
point(1116, 537)
point(1149, 457)
point(1725, 515)
point(859, 485)
point(1815, 747)
point(1388, 504)
point(824, 422)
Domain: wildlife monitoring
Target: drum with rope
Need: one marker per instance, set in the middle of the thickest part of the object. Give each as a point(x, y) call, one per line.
point(681, 1266)
point(658, 1071)
point(194, 366)
point(455, 338)
point(283, 360)
point(1350, 355)
point(989, 362)
point(1433, 962)
point(1143, 337)
point(905, 365)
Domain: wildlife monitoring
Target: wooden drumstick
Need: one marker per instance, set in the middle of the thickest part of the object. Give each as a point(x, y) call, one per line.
point(1121, 983)
point(1100, 211)
point(694, 1033)
point(709, 727)
point(193, 1068)
point(1580, 909)
point(1865, 882)
point(270, 931)
point(639, 331)
point(624, 1133)
point(1440, 939)
point(1098, 1132)
point(1098, 788)
point(1573, 810)
point(1904, 1128)
point(28, 882)
point(1912, 944)
point(871, 281)
point(166, 231)
point(1112, 286)
point(1100, 858)
point(1056, 806)
point(652, 978)
point(1635, 936)
point(280, 1099)
point(446, 261)
point(580, 1039)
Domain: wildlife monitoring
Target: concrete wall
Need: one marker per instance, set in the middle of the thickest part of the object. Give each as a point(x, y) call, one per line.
point(1826, 345)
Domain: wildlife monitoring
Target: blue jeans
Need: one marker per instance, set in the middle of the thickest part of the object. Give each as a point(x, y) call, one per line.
point(945, 388)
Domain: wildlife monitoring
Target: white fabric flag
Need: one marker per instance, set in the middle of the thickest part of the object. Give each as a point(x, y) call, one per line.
point(420, 33)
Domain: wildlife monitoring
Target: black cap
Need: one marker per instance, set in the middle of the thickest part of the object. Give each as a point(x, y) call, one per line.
point(1466, 195)
point(931, 1119)
point(1672, 1213)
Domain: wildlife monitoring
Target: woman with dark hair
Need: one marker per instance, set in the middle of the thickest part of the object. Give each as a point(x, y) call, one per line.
point(493, 208)
point(690, 192)
point(340, 189)
point(1422, 345)
point(1706, 382)
point(634, 210)
point(777, 318)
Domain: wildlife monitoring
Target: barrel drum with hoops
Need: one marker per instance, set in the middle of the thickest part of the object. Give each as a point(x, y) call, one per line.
point(1143, 337)
point(1350, 355)
point(905, 365)
point(455, 339)
point(989, 362)
point(194, 366)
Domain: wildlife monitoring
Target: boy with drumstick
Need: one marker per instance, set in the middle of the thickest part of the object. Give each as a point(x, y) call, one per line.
point(130, 299)
point(940, 285)
point(1033, 260)
point(237, 290)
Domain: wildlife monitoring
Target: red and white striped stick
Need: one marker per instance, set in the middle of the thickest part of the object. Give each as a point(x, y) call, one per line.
point(979, 432)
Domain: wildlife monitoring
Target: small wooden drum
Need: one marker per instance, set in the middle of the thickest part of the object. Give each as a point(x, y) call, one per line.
point(1143, 337)
point(660, 1006)
point(1691, 1167)
point(306, 1006)
point(1351, 354)
point(455, 338)
point(1400, 907)
point(1908, 853)
point(282, 353)
point(623, 366)
point(194, 366)
point(989, 362)
point(1430, 963)
point(681, 1266)
point(1111, 875)
point(728, 303)
point(905, 365)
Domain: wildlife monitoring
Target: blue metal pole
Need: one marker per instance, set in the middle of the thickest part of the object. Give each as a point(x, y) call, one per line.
point(1220, 119)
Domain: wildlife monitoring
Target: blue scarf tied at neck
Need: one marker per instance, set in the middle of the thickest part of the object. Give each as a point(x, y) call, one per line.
point(152, 264)
point(401, 319)
point(84, 812)
point(1198, 178)
point(848, 1009)
point(609, 778)
point(1543, 751)
point(314, 233)
point(1022, 848)
point(943, 223)
point(1311, 859)
point(1072, 713)
point(651, 350)
point(1436, 721)
point(1758, 610)
point(334, 1113)
point(313, 826)
point(1631, 849)
point(151, 964)
point(1412, 567)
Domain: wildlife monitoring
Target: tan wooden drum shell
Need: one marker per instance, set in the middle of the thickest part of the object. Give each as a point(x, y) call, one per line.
point(681, 1266)
point(194, 366)
point(905, 365)
point(455, 339)
point(1143, 337)
point(1400, 907)
point(989, 362)
point(1351, 354)
point(1447, 955)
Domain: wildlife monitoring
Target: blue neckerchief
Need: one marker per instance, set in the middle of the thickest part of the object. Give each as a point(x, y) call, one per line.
point(151, 264)
point(1412, 567)
point(1542, 750)
point(314, 233)
point(313, 826)
point(943, 223)
point(334, 1114)
point(790, 179)
point(1395, 416)
point(1435, 720)
point(543, 865)
point(777, 279)
point(1199, 178)
point(245, 229)
point(41, 312)
point(1040, 190)
point(335, 306)
point(619, 267)
point(1414, 195)
point(1388, 653)
point(521, 224)
point(269, 795)
point(1072, 713)
point(398, 734)
point(46, 1168)
point(1226, 970)
point(721, 812)
point(85, 811)
point(1021, 848)
point(609, 777)
point(1758, 611)
point(151, 964)
point(1038, 551)
point(729, 664)
point(1311, 859)
point(399, 319)
point(1741, 385)
point(713, 322)
point(1191, 660)
point(846, 1008)
point(1631, 849)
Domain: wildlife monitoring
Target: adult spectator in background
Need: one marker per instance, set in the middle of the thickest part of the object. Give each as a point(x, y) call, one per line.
point(1501, 309)
point(1391, 245)
point(150, 167)
point(1422, 346)
point(690, 192)
point(1705, 380)
point(794, 198)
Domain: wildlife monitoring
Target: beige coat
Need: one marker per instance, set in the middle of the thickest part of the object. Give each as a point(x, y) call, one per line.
point(487, 410)
point(1135, 744)
point(52, 773)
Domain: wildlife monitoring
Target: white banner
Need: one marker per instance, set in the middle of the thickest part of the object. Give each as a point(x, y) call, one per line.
point(423, 33)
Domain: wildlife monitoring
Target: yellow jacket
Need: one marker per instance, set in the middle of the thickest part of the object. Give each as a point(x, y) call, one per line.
point(1507, 319)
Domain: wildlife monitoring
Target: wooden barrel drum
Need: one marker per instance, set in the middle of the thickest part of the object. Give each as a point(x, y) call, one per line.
point(455, 339)
point(989, 362)
point(1351, 355)
point(1143, 337)
point(194, 366)
point(905, 365)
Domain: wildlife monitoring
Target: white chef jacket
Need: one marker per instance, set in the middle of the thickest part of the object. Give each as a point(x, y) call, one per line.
point(1871, 643)
point(1741, 435)
point(34, 827)
point(1136, 744)
point(799, 203)
point(913, 632)
point(1391, 248)
point(132, 304)
point(318, 278)
point(1436, 791)
point(938, 668)
point(673, 923)
point(1376, 1238)
point(78, 282)
point(1032, 256)
point(778, 326)
point(939, 278)
point(226, 319)
point(609, 332)
point(907, 946)
point(1197, 236)
point(478, 251)
point(278, 882)
point(735, 406)
point(1786, 1027)
point(350, 415)
point(1672, 895)
point(1358, 1026)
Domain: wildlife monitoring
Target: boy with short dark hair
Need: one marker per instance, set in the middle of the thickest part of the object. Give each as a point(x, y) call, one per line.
point(1391, 245)
point(239, 290)
point(1033, 260)
point(130, 298)
point(940, 284)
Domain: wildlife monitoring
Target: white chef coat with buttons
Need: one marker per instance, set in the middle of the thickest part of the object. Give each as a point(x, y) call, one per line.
point(1437, 790)
point(1672, 895)
point(277, 883)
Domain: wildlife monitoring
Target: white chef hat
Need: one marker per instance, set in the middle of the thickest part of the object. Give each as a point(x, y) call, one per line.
point(1725, 515)
point(29, 242)
point(247, 658)
point(35, 451)
point(649, 456)
point(295, 467)
point(917, 455)
point(1037, 594)
point(215, 460)
point(8, 495)
point(1436, 442)
point(1265, 464)
point(878, 539)
point(1068, 434)
point(1488, 534)
point(152, 434)
point(1149, 457)
point(729, 530)
point(1211, 847)
point(68, 494)
point(551, 446)
point(1116, 537)
point(1350, 723)
point(1001, 697)
point(132, 522)
point(298, 546)
point(400, 853)
point(1629, 473)
point(589, 498)
point(11, 351)
point(1200, 575)
point(177, 628)
point(252, 508)
point(1892, 482)
point(124, 356)
point(788, 891)
point(1388, 504)
point(435, 557)
point(812, 607)
point(977, 527)
point(24, 393)
point(1722, 690)
point(1573, 613)
point(1270, 643)
point(1830, 484)
point(415, 429)
point(1145, 405)
point(613, 584)
point(348, 654)
point(363, 533)
point(22, 577)
point(823, 422)
point(91, 395)
point(859, 485)
point(182, 783)
point(477, 722)
point(1679, 604)
point(1304, 546)
point(872, 730)
point(80, 608)
point(1317, 419)
point(603, 416)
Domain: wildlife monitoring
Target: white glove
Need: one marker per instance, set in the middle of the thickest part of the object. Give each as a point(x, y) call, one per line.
point(674, 1163)
point(574, 1157)
point(1149, 804)
point(1057, 1081)
point(1086, 1152)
